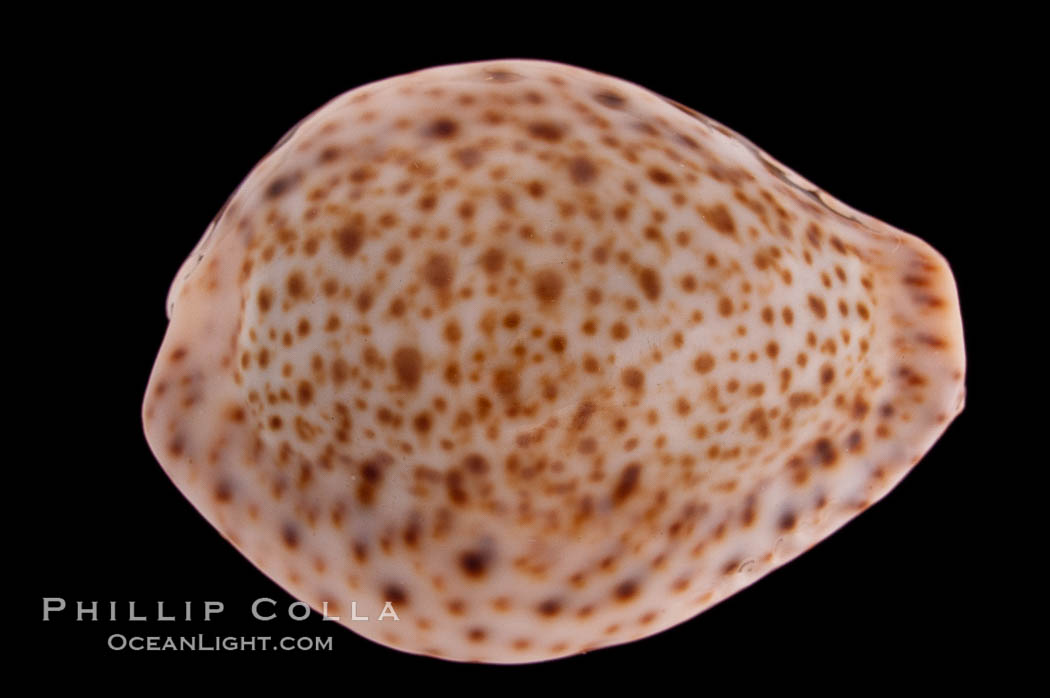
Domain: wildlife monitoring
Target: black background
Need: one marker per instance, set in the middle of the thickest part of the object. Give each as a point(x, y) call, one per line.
point(150, 136)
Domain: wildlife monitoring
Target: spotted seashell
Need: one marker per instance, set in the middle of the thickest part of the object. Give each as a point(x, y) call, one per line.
point(543, 359)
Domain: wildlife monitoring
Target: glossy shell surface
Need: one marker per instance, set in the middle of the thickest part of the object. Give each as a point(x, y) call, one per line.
point(541, 358)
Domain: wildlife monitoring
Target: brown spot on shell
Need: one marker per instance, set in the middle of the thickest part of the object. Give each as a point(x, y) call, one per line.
point(626, 590)
point(348, 239)
point(395, 594)
point(305, 393)
point(610, 99)
point(704, 363)
point(720, 219)
point(632, 378)
point(468, 157)
point(475, 563)
point(408, 365)
point(660, 176)
point(818, 307)
point(627, 483)
point(505, 381)
point(825, 453)
point(442, 127)
point(547, 285)
point(649, 280)
point(438, 271)
point(295, 284)
point(502, 76)
point(582, 170)
point(549, 607)
point(546, 131)
point(265, 299)
point(281, 185)
point(492, 260)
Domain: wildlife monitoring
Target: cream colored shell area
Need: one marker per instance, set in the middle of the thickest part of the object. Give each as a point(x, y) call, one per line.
point(682, 537)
